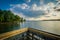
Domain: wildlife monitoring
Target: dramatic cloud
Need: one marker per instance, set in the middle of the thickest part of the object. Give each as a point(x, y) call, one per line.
point(43, 7)
point(52, 13)
point(35, 12)
point(26, 11)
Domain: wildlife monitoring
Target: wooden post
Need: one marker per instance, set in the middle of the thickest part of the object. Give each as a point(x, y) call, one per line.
point(22, 36)
point(27, 35)
point(32, 36)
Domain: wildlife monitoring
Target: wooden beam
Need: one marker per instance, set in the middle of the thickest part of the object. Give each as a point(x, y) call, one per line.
point(12, 33)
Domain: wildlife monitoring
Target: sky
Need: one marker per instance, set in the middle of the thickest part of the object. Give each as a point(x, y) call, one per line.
point(32, 9)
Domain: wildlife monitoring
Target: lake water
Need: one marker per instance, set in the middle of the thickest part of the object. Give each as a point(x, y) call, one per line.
point(48, 26)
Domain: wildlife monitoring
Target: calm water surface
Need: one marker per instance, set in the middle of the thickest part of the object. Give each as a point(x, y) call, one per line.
point(48, 26)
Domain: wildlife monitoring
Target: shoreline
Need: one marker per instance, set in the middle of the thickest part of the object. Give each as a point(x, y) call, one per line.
point(9, 22)
point(52, 20)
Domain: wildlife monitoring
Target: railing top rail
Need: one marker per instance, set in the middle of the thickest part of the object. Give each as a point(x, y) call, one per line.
point(20, 31)
point(12, 33)
point(44, 33)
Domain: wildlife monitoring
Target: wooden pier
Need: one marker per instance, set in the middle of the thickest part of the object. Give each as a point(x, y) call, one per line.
point(28, 34)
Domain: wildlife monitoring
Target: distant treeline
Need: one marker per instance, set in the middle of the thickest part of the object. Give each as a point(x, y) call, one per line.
point(8, 16)
point(52, 20)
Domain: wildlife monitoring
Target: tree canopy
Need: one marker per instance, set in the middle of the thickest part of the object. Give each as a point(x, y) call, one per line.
point(8, 16)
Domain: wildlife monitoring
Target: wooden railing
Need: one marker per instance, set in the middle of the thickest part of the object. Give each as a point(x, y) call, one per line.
point(34, 34)
point(10, 35)
point(29, 34)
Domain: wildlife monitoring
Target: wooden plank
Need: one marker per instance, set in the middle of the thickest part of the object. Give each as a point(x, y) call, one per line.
point(28, 30)
point(12, 33)
point(44, 33)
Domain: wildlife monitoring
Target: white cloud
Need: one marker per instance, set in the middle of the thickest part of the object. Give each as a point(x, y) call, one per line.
point(37, 8)
point(52, 14)
point(22, 6)
point(43, 7)
point(47, 8)
point(25, 17)
point(28, 1)
point(20, 14)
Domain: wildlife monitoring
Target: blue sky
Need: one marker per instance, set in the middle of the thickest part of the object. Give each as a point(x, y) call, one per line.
point(5, 4)
point(28, 9)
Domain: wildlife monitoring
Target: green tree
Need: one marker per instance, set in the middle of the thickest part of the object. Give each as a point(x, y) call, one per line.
point(8, 16)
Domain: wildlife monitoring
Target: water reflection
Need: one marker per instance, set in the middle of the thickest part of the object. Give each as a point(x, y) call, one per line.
point(49, 26)
point(8, 27)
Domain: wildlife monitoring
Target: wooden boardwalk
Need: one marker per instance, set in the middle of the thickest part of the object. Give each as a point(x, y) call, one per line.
point(30, 34)
point(45, 35)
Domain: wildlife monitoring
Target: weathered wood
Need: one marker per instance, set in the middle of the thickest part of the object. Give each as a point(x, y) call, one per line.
point(12, 33)
point(45, 35)
point(31, 34)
